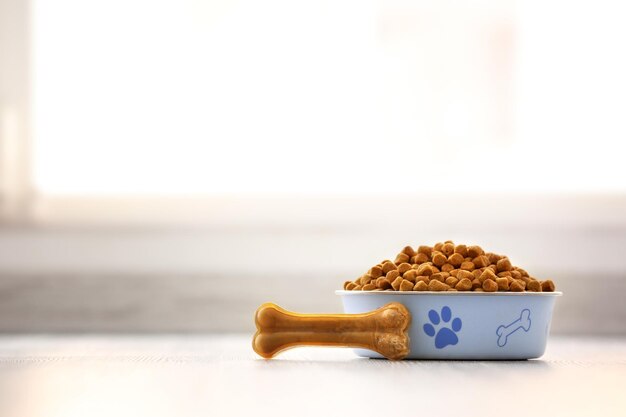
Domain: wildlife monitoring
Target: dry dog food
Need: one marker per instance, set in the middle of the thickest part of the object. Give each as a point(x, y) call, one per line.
point(448, 267)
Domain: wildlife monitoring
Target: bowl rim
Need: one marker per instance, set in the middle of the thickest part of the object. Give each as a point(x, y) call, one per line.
point(452, 293)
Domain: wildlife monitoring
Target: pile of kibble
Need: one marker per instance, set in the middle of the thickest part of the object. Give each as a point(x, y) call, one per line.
point(447, 267)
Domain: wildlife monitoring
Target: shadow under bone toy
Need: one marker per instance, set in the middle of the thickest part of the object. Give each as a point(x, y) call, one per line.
point(452, 325)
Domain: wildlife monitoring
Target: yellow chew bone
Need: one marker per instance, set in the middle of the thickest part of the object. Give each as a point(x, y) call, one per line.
point(383, 330)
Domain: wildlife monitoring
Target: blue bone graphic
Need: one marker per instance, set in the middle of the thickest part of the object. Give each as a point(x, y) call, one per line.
point(504, 332)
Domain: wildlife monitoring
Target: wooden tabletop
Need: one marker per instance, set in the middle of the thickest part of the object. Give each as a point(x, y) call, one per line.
point(221, 376)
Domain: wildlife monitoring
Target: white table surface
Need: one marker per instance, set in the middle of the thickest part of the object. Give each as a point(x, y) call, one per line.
point(221, 376)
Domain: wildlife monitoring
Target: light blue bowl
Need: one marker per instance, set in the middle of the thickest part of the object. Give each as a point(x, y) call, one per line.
point(466, 325)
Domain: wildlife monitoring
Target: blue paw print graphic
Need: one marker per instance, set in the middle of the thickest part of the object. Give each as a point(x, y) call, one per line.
point(446, 335)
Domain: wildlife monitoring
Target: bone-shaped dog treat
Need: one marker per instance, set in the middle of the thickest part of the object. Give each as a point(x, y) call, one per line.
point(523, 322)
point(383, 330)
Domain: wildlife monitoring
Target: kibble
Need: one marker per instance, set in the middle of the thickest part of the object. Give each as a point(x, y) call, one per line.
point(435, 285)
point(448, 248)
point(487, 274)
point(376, 272)
point(547, 286)
point(448, 267)
point(382, 283)
point(490, 285)
point(439, 258)
point(503, 284)
point(467, 266)
point(396, 283)
point(474, 251)
point(456, 259)
point(504, 265)
point(464, 285)
point(410, 275)
point(425, 269)
point(402, 257)
point(452, 281)
point(461, 250)
point(409, 251)
point(534, 286)
point(406, 285)
point(404, 267)
point(392, 275)
point(481, 261)
point(388, 266)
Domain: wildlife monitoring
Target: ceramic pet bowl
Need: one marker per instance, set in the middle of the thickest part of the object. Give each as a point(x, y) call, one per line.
point(466, 325)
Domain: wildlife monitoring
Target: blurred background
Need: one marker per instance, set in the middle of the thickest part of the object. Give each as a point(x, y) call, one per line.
point(168, 166)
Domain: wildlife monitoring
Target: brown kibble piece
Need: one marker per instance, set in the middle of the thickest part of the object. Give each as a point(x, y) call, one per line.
point(406, 285)
point(461, 274)
point(376, 272)
point(447, 267)
point(461, 250)
point(410, 275)
point(388, 266)
point(456, 259)
point(474, 251)
point(409, 251)
point(490, 285)
point(517, 274)
point(521, 271)
point(547, 286)
point(504, 265)
point(383, 284)
point(420, 258)
point(515, 286)
point(464, 285)
point(438, 276)
point(521, 282)
point(420, 286)
point(487, 274)
point(533, 286)
point(369, 287)
point(348, 285)
point(448, 248)
point(503, 284)
point(504, 274)
point(365, 279)
point(493, 258)
point(425, 269)
point(438, 246)
point(424, 278)
point(426, 250)
point(467, 266)
point(401, 258)
point(396, 283)
point(357, 288)
point(392, 275)
point(439, 258)
point(403, 267)
point(435, 285)
point(451, 281)
point(476, 284)
point(481, 261)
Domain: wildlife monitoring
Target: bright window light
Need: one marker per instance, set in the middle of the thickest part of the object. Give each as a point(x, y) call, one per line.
point(327, 97)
